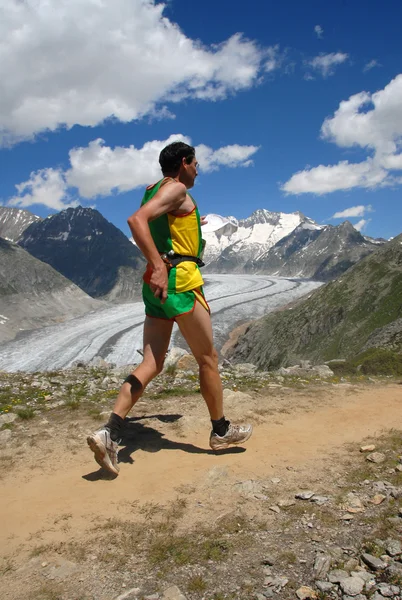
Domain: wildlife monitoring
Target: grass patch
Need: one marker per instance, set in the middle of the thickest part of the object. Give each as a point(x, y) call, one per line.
point(73, 403)
point(25, 413)
point(375, 361)
point(196, 584)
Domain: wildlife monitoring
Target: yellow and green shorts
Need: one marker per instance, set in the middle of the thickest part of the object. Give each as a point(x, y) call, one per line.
point(176, 305)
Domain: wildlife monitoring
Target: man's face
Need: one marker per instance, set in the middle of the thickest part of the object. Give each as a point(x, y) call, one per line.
point(190, 172)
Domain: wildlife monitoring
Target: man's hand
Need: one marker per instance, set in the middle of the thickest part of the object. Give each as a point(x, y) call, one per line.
point(203, 220)
point(159, 283)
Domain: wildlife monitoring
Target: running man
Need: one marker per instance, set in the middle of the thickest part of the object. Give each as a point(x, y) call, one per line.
point(167, 229)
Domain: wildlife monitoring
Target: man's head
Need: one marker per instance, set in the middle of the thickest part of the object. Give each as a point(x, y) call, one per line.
point(178, 160)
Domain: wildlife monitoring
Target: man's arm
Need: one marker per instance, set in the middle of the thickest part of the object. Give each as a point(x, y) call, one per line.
point(168, 198)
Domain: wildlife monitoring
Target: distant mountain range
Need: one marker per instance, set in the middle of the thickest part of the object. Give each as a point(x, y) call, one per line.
point(361, 309)
point(287, 245)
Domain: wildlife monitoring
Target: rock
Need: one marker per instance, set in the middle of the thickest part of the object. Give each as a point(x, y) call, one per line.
point(324, 586)
point(322, 565)
point(304, 593)
point(373, 562)
point(275, 509)
point(319, 499)
point(286, 502)
point(152, 597)
point(352, 585)
point(244, 369)
point(376, 457)
point(7, 418)
point(187, 362)
point(5, 436)
point(130, 594)
point(388, 591)
point(378, 499)
point(275, 480)
point(393, 547)
point(358, 597)
point(323, 371)
point(304, 495)
point(353, 504)
point(369, 448)
point(173, 593)
point(173, 356)
point(337, 575)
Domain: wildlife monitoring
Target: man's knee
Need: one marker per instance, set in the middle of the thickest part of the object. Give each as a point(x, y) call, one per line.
point(209, 360)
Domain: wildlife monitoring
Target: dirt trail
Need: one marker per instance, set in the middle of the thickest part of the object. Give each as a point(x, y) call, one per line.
point(58, 479)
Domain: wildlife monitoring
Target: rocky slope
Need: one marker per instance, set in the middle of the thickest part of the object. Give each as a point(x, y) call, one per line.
point(338, 320)
point(33, 294)
point(82, 245)
point(14, 221)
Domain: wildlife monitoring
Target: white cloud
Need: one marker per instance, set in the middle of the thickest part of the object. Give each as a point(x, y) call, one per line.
point(319, 31)
point(47, 187)
point(326, 63)
point(99, 170)
point(370, 65)
point(228, 156)
point(353, 211)
point(330, 178)
point(369, 121)
point(362, 224)
point(67, 62)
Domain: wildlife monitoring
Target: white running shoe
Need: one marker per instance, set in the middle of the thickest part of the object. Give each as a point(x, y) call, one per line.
point(236, 434)
point(104, 449)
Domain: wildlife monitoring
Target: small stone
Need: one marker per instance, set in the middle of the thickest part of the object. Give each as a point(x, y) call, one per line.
point(129, 594)
point(7, 418)
point(368, 448)
point(275, 509)
point(268, 560)
point(304, 593)
point(376, 457)
point(319, 499)
point(347, 517)
point(393, 547)
point(398, 468)
point(386, 590)
point(44, 564)
point(173, 593)
point(286, 502)
point(324, 586)
point(378, 499)
point(322, 565)
point(373, 562)
point(304, 496)
point(275, 480)
point(337, 575)
point(352, 585)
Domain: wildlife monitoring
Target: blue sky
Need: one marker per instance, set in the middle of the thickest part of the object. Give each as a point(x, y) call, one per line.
point(291, 106)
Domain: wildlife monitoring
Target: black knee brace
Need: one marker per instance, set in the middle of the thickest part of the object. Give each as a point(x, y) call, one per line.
point(136, 385)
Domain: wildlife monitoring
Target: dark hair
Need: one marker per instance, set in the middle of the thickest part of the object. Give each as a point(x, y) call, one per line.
point(171, 157)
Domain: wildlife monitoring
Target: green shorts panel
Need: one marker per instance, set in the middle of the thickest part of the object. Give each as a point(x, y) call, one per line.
point(175, 305)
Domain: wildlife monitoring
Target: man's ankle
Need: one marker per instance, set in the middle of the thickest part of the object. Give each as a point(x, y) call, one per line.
point(220, 426)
